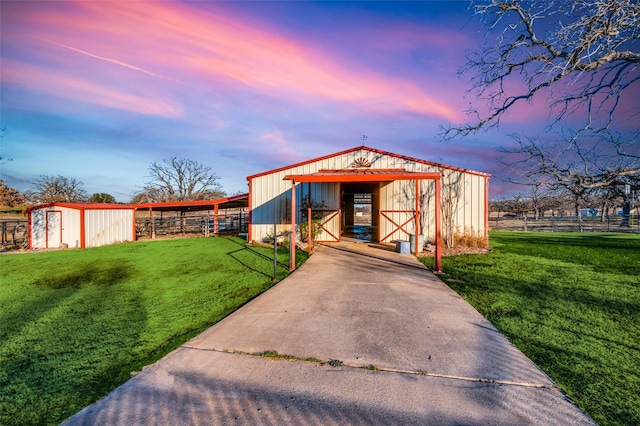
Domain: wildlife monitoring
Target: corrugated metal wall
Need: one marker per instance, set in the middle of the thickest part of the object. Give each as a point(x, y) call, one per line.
point(53, 226)
point(463, 197)
point(68, 228)
point(108, 226)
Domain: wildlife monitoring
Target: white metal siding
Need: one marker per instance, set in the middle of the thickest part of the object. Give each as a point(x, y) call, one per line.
point(38, 229)
point(108, 226)
point(69, 227)
point(103, 226)
point(271, 196)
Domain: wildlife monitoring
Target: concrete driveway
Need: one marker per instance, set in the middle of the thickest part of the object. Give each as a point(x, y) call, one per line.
point(394, 346)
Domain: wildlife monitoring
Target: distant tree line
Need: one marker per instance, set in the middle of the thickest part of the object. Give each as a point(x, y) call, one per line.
point(538, 204)
point(175, 179)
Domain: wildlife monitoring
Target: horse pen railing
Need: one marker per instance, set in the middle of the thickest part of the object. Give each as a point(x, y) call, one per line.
point(15, 234)
point(201, 225)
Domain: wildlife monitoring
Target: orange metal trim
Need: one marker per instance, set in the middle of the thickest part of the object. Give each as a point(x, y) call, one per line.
point(133, 220)
point(292, 248)
point(87, 206)
point(83, 232)
point(486, 209)
point(328, 218)
point(250, 224)
point(196, 203)
point(417, 224)
point(30, 228)
point(309, 225)
point(309, 220)
point(398, 227)
point(215, 220)
point(438, 266)
point(355, 177)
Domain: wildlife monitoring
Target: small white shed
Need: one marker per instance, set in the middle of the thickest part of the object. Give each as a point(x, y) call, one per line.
point(80, 225)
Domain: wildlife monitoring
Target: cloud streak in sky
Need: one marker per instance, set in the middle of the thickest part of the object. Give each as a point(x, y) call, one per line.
point(208, 45)
point(112, 61)
point(242, 87)
point(62, 85)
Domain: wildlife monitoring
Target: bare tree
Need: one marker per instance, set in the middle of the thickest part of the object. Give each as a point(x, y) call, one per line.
point(180, 179)
point(607, 198)
point(581, 54)
point(52, 189)
point(577, 165)
point(598, 162)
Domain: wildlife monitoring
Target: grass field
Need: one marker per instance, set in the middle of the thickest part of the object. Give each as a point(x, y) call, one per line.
point(74, 324)
point(571, 303)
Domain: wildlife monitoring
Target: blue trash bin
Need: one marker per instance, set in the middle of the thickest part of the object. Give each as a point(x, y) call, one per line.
point(402, 247)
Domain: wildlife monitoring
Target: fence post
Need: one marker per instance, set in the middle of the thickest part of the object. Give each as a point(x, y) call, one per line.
point(275, 253)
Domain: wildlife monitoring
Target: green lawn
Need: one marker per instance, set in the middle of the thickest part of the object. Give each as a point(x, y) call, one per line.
point(74, 324)
point(571, 303)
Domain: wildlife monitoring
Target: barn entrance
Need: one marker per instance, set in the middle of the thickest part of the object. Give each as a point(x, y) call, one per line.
point(360, 207)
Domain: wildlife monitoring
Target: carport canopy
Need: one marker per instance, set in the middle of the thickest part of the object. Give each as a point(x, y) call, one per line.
point(372, 175)
point(235, 201)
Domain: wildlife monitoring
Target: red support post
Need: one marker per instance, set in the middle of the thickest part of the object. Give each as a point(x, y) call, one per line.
point(309, 241)
point(150, 222)
point(486, 209)
point(250, 222)
point(216, 226)
point(309, 230)
point(135, 233)
point(83, 231)
point(438, 228)
point(292, 248)
point(416, 228)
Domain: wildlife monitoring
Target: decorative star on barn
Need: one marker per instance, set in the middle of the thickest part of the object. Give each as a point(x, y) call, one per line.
point(360, 163)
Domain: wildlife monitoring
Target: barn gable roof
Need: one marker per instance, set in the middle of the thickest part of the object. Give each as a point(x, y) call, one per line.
point(373, 150)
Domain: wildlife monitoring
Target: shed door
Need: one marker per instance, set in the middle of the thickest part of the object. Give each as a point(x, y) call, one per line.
point(54, 229)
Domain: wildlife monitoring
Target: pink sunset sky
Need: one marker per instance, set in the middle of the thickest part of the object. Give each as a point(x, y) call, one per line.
point(97, 90)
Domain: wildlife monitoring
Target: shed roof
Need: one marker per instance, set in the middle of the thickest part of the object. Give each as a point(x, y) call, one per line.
point(226, 202)
point(377, 151)
point(85, 206)
point(235, 201)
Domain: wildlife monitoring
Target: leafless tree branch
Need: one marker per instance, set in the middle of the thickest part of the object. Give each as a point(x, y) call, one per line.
point(582, 57)
point(53, 189)
point(180, 179)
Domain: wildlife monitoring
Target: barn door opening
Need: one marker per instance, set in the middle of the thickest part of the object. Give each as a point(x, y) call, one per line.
point(54, 229)
point(360, 208)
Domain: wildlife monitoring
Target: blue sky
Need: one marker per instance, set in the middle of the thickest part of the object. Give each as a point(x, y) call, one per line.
point(99, 90)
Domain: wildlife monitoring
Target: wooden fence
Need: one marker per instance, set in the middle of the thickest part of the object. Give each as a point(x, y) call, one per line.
point(567, 224)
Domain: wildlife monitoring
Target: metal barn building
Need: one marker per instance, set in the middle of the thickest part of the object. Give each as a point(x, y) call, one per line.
point(80, 225)
point(402, 194)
